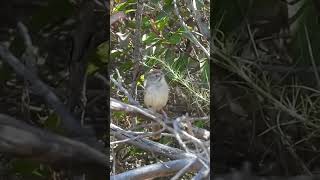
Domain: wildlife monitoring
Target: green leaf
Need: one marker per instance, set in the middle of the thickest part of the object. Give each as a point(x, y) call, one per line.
point(149, 38)
point(30, 169)
point(103, 52)
point(200, 124)
point(175, 38)
point(124, 6)
point(168, 9)
point(129, 11)
point(53, 123)
point(126, 66)
point(116, 53)
point(5, 72)
point(179, 64)
point(146, 22)
point(140, 80)
point(121, 6)
point(135, 151)
point(92, 68)
point(168, 2)
point(205, 71)
point(162, 23)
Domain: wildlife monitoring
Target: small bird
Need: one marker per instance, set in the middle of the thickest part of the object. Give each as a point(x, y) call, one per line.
point(156, 92)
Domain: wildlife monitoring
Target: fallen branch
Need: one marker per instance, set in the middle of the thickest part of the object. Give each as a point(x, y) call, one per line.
point(158, 170)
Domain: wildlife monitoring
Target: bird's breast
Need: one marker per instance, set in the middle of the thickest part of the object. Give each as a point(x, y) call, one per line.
point(156, 97)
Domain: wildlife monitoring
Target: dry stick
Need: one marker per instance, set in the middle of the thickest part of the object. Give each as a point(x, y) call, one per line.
point(83, 99)
point(148, 145)
point(178, 131)
point(184, 170)
point(289, 69)
point(25, 35)
point(316, 73)
point(252, 40)
point(122, 89)
point(102, 78)
point(137, 137)
point(198, 132)
point(202, 174)
point(288, 145)
point(68, 121)
point(157, 170)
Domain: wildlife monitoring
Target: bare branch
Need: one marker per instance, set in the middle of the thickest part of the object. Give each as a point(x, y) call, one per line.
point(148, 145)
point(122, 89)
point(184, 170)
point(158, 170)
point(25, 34)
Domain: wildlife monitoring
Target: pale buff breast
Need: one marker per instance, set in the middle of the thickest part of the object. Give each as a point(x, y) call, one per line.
point(156, 97)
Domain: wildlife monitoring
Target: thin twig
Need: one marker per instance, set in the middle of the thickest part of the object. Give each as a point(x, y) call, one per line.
point(122, 89)
point(316, 73)
point(136, 137)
